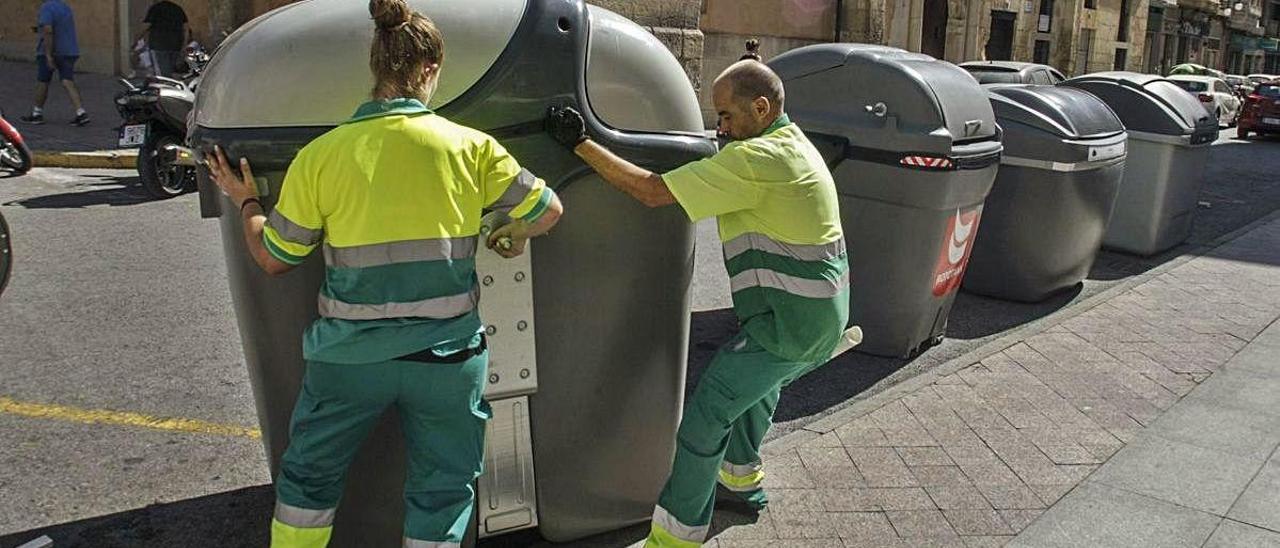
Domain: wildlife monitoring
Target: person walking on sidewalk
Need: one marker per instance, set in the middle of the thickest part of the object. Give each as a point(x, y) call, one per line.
point(775, 202)
point(56, 49)
point(167, 31)
point(395, 194)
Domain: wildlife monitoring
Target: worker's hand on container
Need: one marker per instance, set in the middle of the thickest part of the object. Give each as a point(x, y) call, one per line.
point(508, 240)
point(239, 186)
point(566, 126)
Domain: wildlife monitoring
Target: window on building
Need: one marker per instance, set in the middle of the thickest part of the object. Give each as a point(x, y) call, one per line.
point(1045, 22)
point(1122, 31)
point(1122, 57)
point(1041, 54)
point(1091, 4)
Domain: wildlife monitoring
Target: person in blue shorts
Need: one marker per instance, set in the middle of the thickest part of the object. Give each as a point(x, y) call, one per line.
point(56, 50)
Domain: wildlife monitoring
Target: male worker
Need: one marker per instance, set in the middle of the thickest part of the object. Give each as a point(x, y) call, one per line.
point(56, 49)
point(784, 249)
point(167, 30)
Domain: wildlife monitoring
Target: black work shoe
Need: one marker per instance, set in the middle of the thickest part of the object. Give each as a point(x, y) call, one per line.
point(736, 503)
point(33, 119)
point(81, 120)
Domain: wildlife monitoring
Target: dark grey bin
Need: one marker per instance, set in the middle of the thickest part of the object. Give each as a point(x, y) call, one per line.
point(1064, 154)
point(589, 330)
point(1169, 138)
point(914, 147)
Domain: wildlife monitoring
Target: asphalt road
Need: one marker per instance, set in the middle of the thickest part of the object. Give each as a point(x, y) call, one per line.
point(121, 303)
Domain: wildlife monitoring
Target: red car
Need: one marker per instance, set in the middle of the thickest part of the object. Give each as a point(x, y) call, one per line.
point(1261, 112)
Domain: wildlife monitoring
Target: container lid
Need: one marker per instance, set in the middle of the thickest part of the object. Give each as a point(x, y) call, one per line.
point(1147, 103)
point(923, 94)
point(1067, 113)
point(307, 63)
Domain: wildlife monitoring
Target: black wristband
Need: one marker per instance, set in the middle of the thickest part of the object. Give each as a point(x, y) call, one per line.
point(247, 201)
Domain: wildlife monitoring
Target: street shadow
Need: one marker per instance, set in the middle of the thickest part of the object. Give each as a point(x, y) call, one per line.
point(231, 519)
point(976, 316)
point(109, 190)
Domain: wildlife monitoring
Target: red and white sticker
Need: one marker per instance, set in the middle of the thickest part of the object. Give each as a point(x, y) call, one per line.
point(956, 247)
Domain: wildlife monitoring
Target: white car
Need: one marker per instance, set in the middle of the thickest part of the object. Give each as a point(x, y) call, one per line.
point(1214, 94)
point(1261, 78)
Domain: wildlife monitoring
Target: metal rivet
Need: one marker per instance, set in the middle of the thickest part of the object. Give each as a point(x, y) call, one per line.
point(490, 330)
point(524, 373)
point(519, 276)
point(493, 379)
point(488, 280)
point(522, 325)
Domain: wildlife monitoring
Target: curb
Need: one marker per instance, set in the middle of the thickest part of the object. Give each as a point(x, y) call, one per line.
point(856, 407)
point(103, 159)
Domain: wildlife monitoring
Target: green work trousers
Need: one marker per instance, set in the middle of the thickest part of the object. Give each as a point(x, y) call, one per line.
point(719, 439)
point(443, 420)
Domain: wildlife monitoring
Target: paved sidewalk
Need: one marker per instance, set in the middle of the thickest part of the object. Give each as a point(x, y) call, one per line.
point(17, 91)
point(975, 456)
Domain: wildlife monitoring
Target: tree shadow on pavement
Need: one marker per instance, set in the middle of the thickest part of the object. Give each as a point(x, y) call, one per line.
point(117, 191)
point(231, 519)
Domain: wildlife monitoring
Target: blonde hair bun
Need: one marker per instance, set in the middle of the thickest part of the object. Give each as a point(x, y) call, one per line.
point(390, 14)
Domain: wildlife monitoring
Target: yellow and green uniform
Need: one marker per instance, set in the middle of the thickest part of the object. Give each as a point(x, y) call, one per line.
point(395, 197)
point(775, 203)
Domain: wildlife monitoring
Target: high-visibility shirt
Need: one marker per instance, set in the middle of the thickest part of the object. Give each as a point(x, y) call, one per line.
point(395, 195)
point(775, 202)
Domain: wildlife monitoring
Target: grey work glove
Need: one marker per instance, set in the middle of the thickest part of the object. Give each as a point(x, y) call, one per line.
point(566, 126)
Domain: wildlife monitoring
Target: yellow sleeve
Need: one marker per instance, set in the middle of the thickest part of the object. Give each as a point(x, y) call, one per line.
point(294, 227)
point(509, 188)
point(713, 186)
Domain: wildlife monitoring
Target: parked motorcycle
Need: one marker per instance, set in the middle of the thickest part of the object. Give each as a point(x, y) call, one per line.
point(14, 154)
point(6, 254)
point(155, 111)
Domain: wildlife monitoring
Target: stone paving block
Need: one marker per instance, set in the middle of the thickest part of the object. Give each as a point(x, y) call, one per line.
point(1260, 503)
point(837, 476)
point(915, 524)
point(900, 427)
point(824, 456)
point(1210, 424)
point(1232, 534)
point(830, 439)
point(1102, 452)
point(928, 476)
point(907, 498)
point(1097, 515)
point(801, 525)
point(789, 543)
point(796, 500)
point(881, 467)
point(987, 542)
point(850, 500)
point(868, 528)
point(924, 456)
point(1072, 453)
point(862, 432)
point(786, 471)
point(1179, 473)
point(977, 522)
point(990, 473)
point(1011, 497)
point(733, 526)
point(1051, 494)
point(1243, 389)
point(1019, 519)
point(951, 497)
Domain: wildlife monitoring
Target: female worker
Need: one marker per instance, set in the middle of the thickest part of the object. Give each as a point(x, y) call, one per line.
point(395, 196)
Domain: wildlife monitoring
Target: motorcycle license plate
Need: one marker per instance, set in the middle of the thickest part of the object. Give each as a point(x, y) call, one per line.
point(133, 136)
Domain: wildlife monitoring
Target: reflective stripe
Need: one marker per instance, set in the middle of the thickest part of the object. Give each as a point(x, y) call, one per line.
point(760, 242)
point(363, 256)
point(802, 287)
point(439, 308)
point(741, 477)
point(415, 543)
point(293, 232)
point(516, 192)
point(1058, 166)
point(672, 526)
point(303, 517)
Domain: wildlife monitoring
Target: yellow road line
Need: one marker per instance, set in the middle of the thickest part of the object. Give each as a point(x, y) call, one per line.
point(122, 418)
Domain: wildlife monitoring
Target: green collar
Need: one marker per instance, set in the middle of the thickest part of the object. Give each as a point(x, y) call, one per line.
point(782, 121)
point(390, 107)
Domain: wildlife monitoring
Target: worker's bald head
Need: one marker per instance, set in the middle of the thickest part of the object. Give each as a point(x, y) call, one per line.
point(748, 97)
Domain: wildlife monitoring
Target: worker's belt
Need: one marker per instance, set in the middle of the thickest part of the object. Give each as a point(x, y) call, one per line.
point(427, 356)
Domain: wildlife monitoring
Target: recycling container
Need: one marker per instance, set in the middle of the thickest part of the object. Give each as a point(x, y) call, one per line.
point(588, 331)
point(1064, 153)
point(1169, 139)
point(913, 147)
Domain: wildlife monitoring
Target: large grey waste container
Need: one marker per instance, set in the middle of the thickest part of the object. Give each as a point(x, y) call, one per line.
point(1169, 138)
point(1043, 223)
point(583, 435)
point(914, 149)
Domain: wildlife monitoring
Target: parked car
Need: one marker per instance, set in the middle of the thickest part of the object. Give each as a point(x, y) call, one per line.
point(1214, 94)
point(1012, 72)
point(1241, 84)
point(1262, 78)
point(1261, 111)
